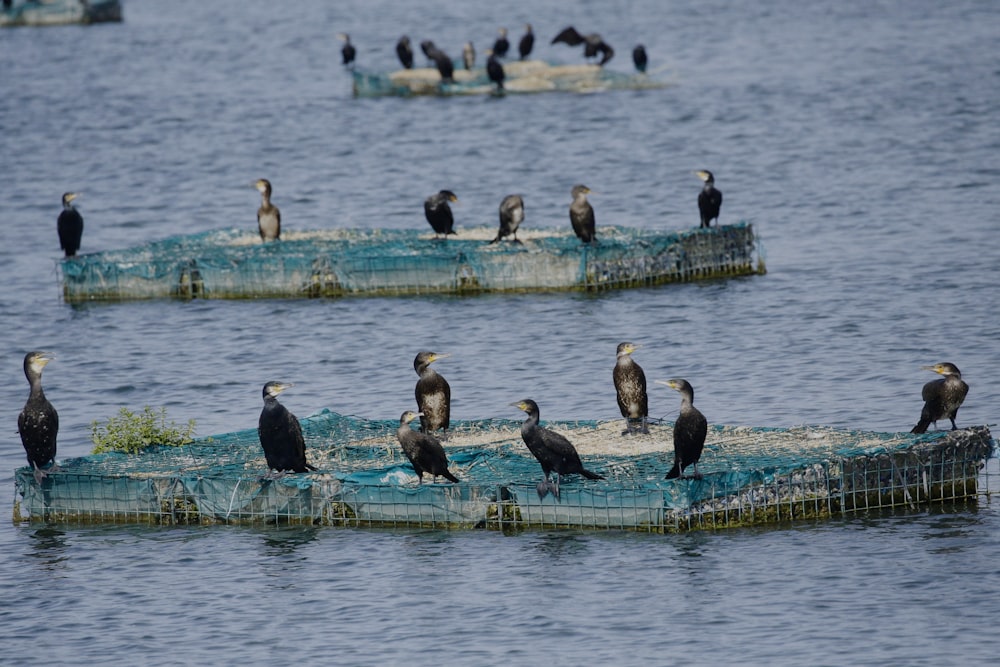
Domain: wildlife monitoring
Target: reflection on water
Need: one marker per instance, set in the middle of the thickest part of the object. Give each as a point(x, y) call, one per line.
point(48, 547)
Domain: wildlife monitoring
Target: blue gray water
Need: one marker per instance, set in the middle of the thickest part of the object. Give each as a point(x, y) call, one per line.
point(861, 140)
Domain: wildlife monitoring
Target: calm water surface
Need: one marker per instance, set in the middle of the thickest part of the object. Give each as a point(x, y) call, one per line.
point(860, 138)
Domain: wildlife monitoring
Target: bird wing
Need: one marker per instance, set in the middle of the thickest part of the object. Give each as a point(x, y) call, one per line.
point(568, 36)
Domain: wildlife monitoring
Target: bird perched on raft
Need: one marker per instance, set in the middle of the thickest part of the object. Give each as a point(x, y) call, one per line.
point(445, 67)
point(942, 397)
point(438, 213)
point(281, 435)
point(433, 394)
point(404, 51)
point(347, 52)
point(268, 215)
point(502, 44)
point(690, 430)
point(38, 422)
point(69, 225)
point(593, 44)
point(511, 217)
point(469, 55)
point(639, 58)
point(709, 200)
point(527, 42)
point(581, 214)
point(554, 452)
point(494, 70)
point(630, 385)
point(423, 450)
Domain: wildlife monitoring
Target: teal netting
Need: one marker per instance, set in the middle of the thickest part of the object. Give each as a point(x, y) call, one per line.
point(748, 475)
point(533, 76)
point(237, 264)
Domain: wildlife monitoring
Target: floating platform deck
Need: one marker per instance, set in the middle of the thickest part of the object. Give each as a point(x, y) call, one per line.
point(529, 76)
point(236, 264)
point(749, 476)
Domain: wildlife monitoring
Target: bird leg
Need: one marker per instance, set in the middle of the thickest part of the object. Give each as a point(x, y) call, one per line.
point(542, 488)
point(273, 476)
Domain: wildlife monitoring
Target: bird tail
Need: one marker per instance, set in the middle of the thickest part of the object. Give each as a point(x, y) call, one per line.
point(921, 426)
point(675, 472)
point(591, 475)
point(310, 468)
point(448, 476)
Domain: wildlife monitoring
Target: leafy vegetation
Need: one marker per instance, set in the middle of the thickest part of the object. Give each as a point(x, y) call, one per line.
point(131, 433)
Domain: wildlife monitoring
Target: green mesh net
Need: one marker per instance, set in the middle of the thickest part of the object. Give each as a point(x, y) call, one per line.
point(748, 475)
point(236, 264)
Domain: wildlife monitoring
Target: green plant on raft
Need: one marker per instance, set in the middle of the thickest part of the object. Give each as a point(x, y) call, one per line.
point(131, 433)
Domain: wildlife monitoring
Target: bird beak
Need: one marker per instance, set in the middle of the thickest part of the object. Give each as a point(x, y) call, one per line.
point(418, 414)
point(935, 369)
point(702, 175)
point(435, 357)
point(669, 383)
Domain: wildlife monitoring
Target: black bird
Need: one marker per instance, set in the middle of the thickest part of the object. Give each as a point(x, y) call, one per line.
point(581, 214)
point(593, 44)
point(405, 52)
point(495, 70)
point(527, 42)
point(469, 55)
point(433, 394)
point(438, 213)
point(348, 51)
point(424, 451)
point(630, 385)
point(690, 430)
point(445, 67)
point(69, 225)
point(511, 217)
point(942, 397)
point(709, 200)
point(501, 45)
point(640, 58)
point(268, 215)
point(38, 422)
point(553, 451)
point(281, 435)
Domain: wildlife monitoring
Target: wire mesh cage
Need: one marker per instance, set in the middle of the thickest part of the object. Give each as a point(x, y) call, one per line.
point(532, 76)
point(746, 476)
point(235, 264)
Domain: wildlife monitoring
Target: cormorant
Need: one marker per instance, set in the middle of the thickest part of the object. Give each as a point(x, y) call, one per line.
point(942, 397)
point(445, 67)
point(433, 394)
point(348, 51)
point(70, 225)
point(581, 214)
point(527, 42)
point(630, 384)
point(709, 200)
point(424, 451)
point(553, 451)
point(690, 430)
point(495, 70)
point(469, 55)
point(501, 45)
point(593, 44)
point(268, 215)
point(640, 58)
point(38, 422)
point(511, 217)
point(405, 52)
point(280, 434)
point(438, 212)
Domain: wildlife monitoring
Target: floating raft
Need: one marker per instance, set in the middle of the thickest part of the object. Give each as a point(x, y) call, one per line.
point(60, 12)
point(749, 476)
point(236, 264)
point(529, 76)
